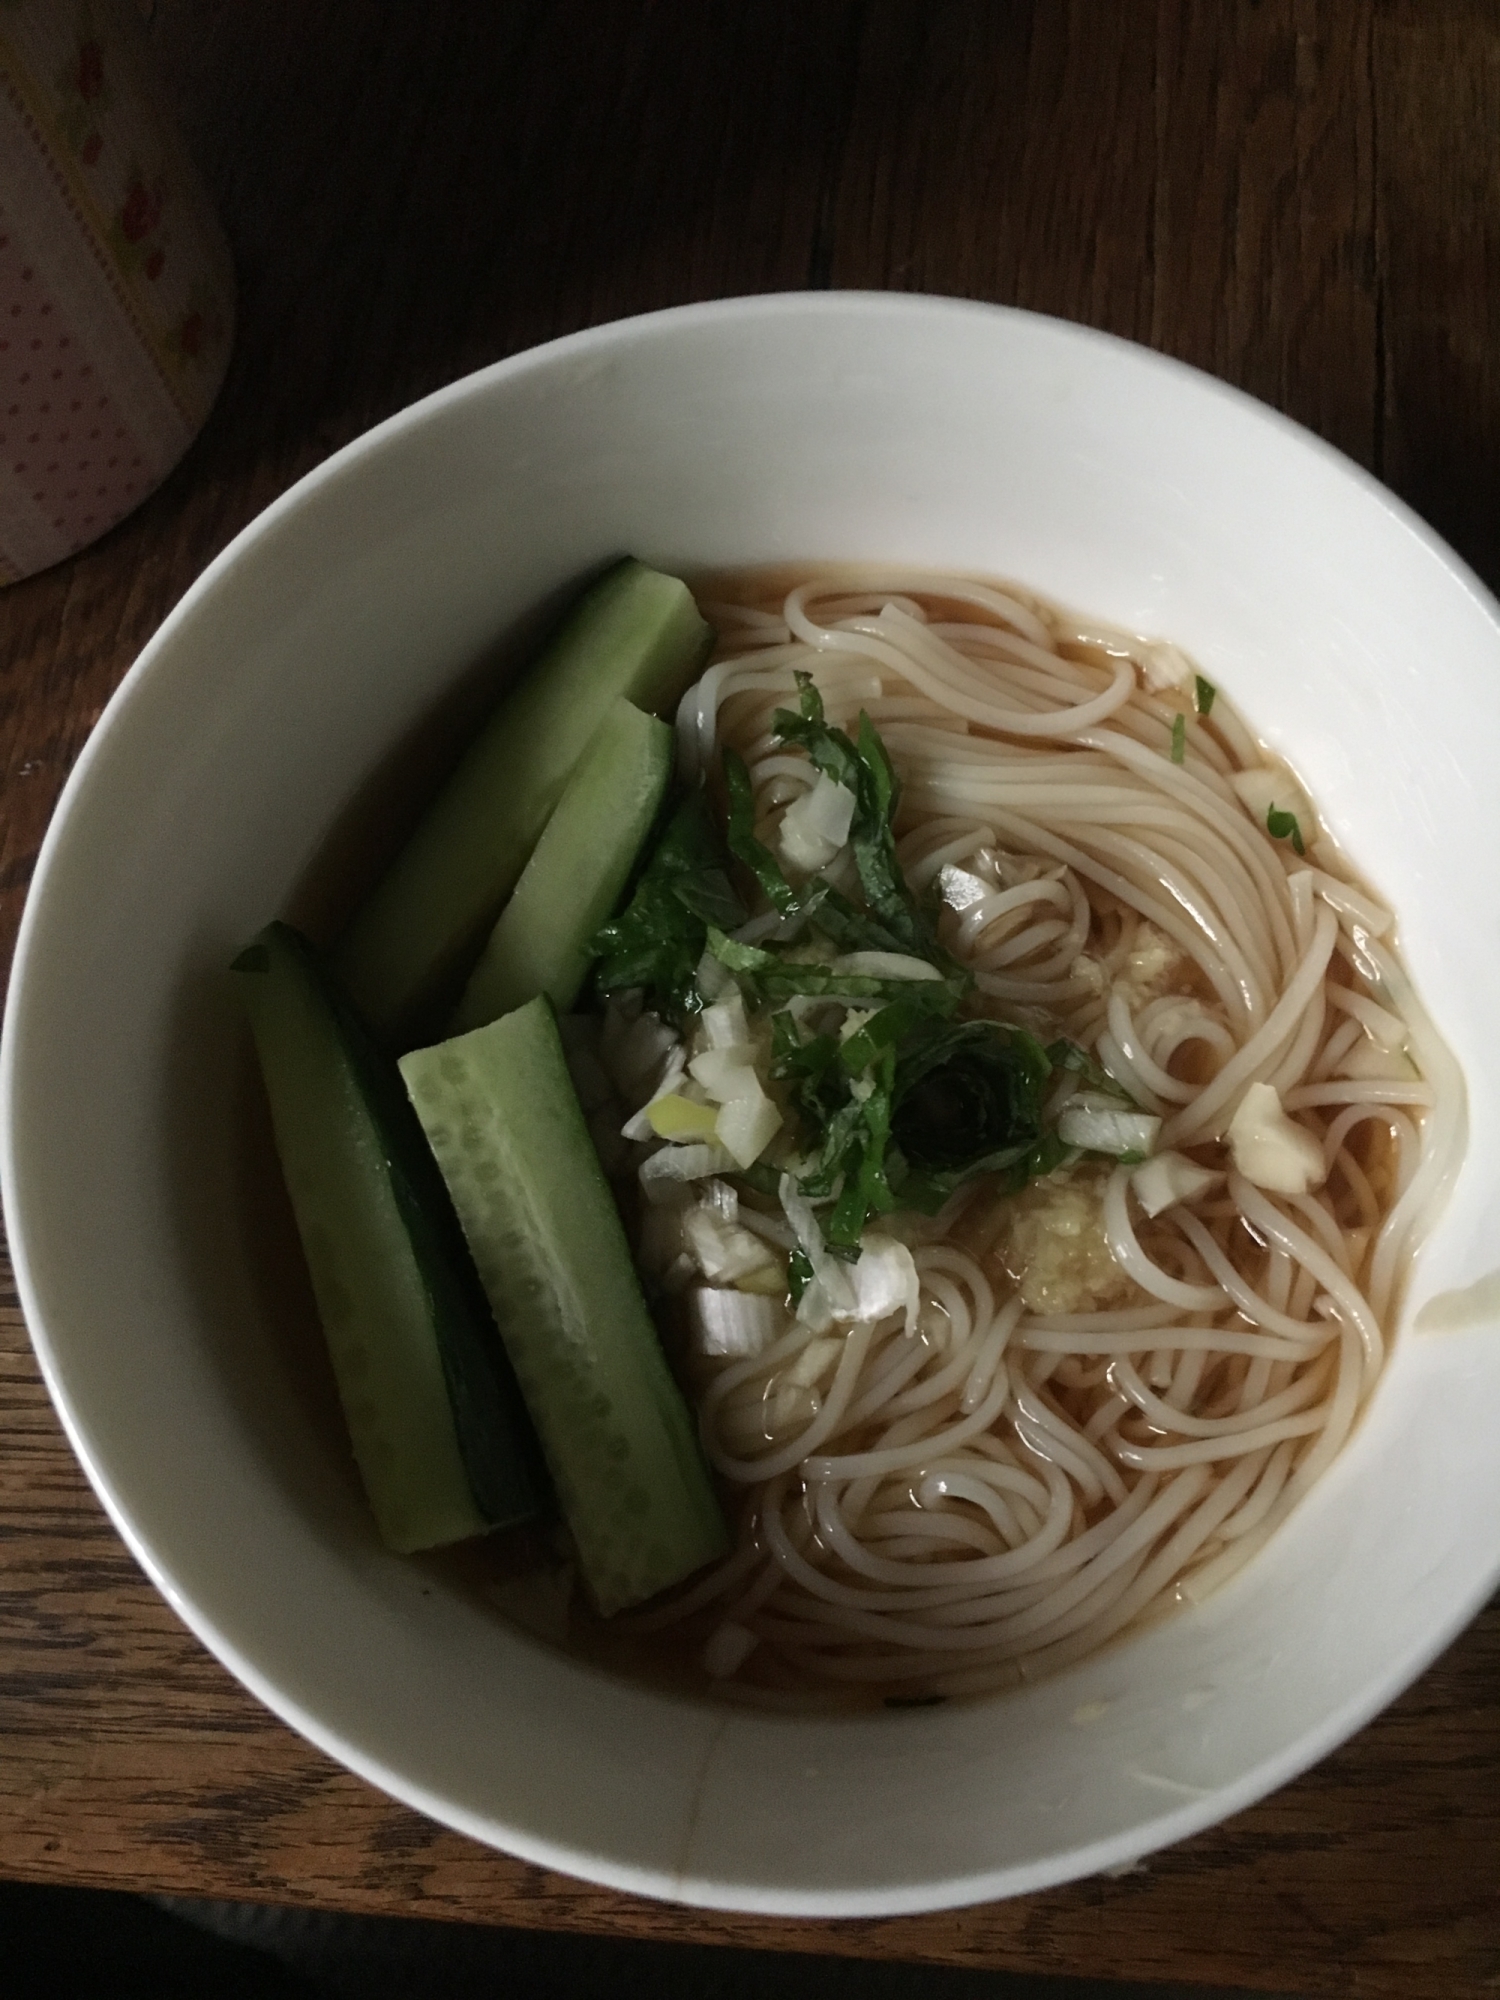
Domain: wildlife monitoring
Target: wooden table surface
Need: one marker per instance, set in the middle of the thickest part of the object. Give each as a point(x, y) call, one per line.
point(1302, 196)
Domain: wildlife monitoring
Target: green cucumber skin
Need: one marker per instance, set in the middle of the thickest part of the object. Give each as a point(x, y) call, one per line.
point(435, 1417)
point(500, 1111)
point(635, 633)
point(577, 874)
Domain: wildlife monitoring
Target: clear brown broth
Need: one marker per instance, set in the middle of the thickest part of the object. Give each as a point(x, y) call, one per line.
point(519, 1576)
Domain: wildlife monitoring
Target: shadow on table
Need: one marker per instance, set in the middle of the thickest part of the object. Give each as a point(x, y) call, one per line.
point(88, 1944)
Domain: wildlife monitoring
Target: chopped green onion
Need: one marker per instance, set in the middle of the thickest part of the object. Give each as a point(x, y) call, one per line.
point(1283, 826)
point(1179, 738)
point(1098, 1125)
point(1205, 692)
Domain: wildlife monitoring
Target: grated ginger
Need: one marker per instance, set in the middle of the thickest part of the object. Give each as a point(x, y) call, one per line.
point(1054, 1247)
point(1151, 968)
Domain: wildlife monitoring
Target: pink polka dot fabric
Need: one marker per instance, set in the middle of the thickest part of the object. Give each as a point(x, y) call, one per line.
point(65, 443)
point(116, 292)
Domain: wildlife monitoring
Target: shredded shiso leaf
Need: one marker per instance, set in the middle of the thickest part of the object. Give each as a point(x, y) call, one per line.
point(883, 1088)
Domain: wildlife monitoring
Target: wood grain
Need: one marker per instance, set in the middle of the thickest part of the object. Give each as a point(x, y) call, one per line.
point(1301, 196)
point(1436, 86)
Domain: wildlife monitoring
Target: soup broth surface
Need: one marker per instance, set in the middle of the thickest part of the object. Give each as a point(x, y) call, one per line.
point(1114, 1385)
point(1103, 1389)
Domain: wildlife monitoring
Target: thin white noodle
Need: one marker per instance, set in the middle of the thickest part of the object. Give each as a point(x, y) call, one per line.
point(1009, 1488)
point(1128, 1254)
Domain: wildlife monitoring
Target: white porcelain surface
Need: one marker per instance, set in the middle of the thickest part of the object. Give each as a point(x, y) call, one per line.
point(782, 428)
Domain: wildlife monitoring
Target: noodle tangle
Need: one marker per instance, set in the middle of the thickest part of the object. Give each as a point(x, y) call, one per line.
point(1101, 1412)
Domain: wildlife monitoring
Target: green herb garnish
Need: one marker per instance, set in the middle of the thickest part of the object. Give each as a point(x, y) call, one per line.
point(1179, 738)
point(658, 939)
point(1283, 826)
point(1204, 692)
point(890, 1099)
point(769, 976)
point(967, 1100)
point(743, 844)
point(866, 770)
point(799, 1274)
point(909, 1107)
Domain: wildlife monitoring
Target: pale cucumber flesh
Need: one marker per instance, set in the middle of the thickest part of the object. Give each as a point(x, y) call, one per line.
point(504, 1123)
point(410, 1337)
point(635, 634)
point(577, 872)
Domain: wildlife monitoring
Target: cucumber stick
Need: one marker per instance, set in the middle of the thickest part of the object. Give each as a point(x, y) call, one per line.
point(577, 873)
point(436, 1420)
point(635, 634)
point(500, 1111)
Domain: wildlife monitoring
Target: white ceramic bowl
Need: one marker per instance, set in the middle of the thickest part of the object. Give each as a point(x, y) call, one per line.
point(836, 425)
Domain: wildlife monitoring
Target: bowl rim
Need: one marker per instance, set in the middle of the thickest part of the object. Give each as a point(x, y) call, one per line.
point(699, 1890)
